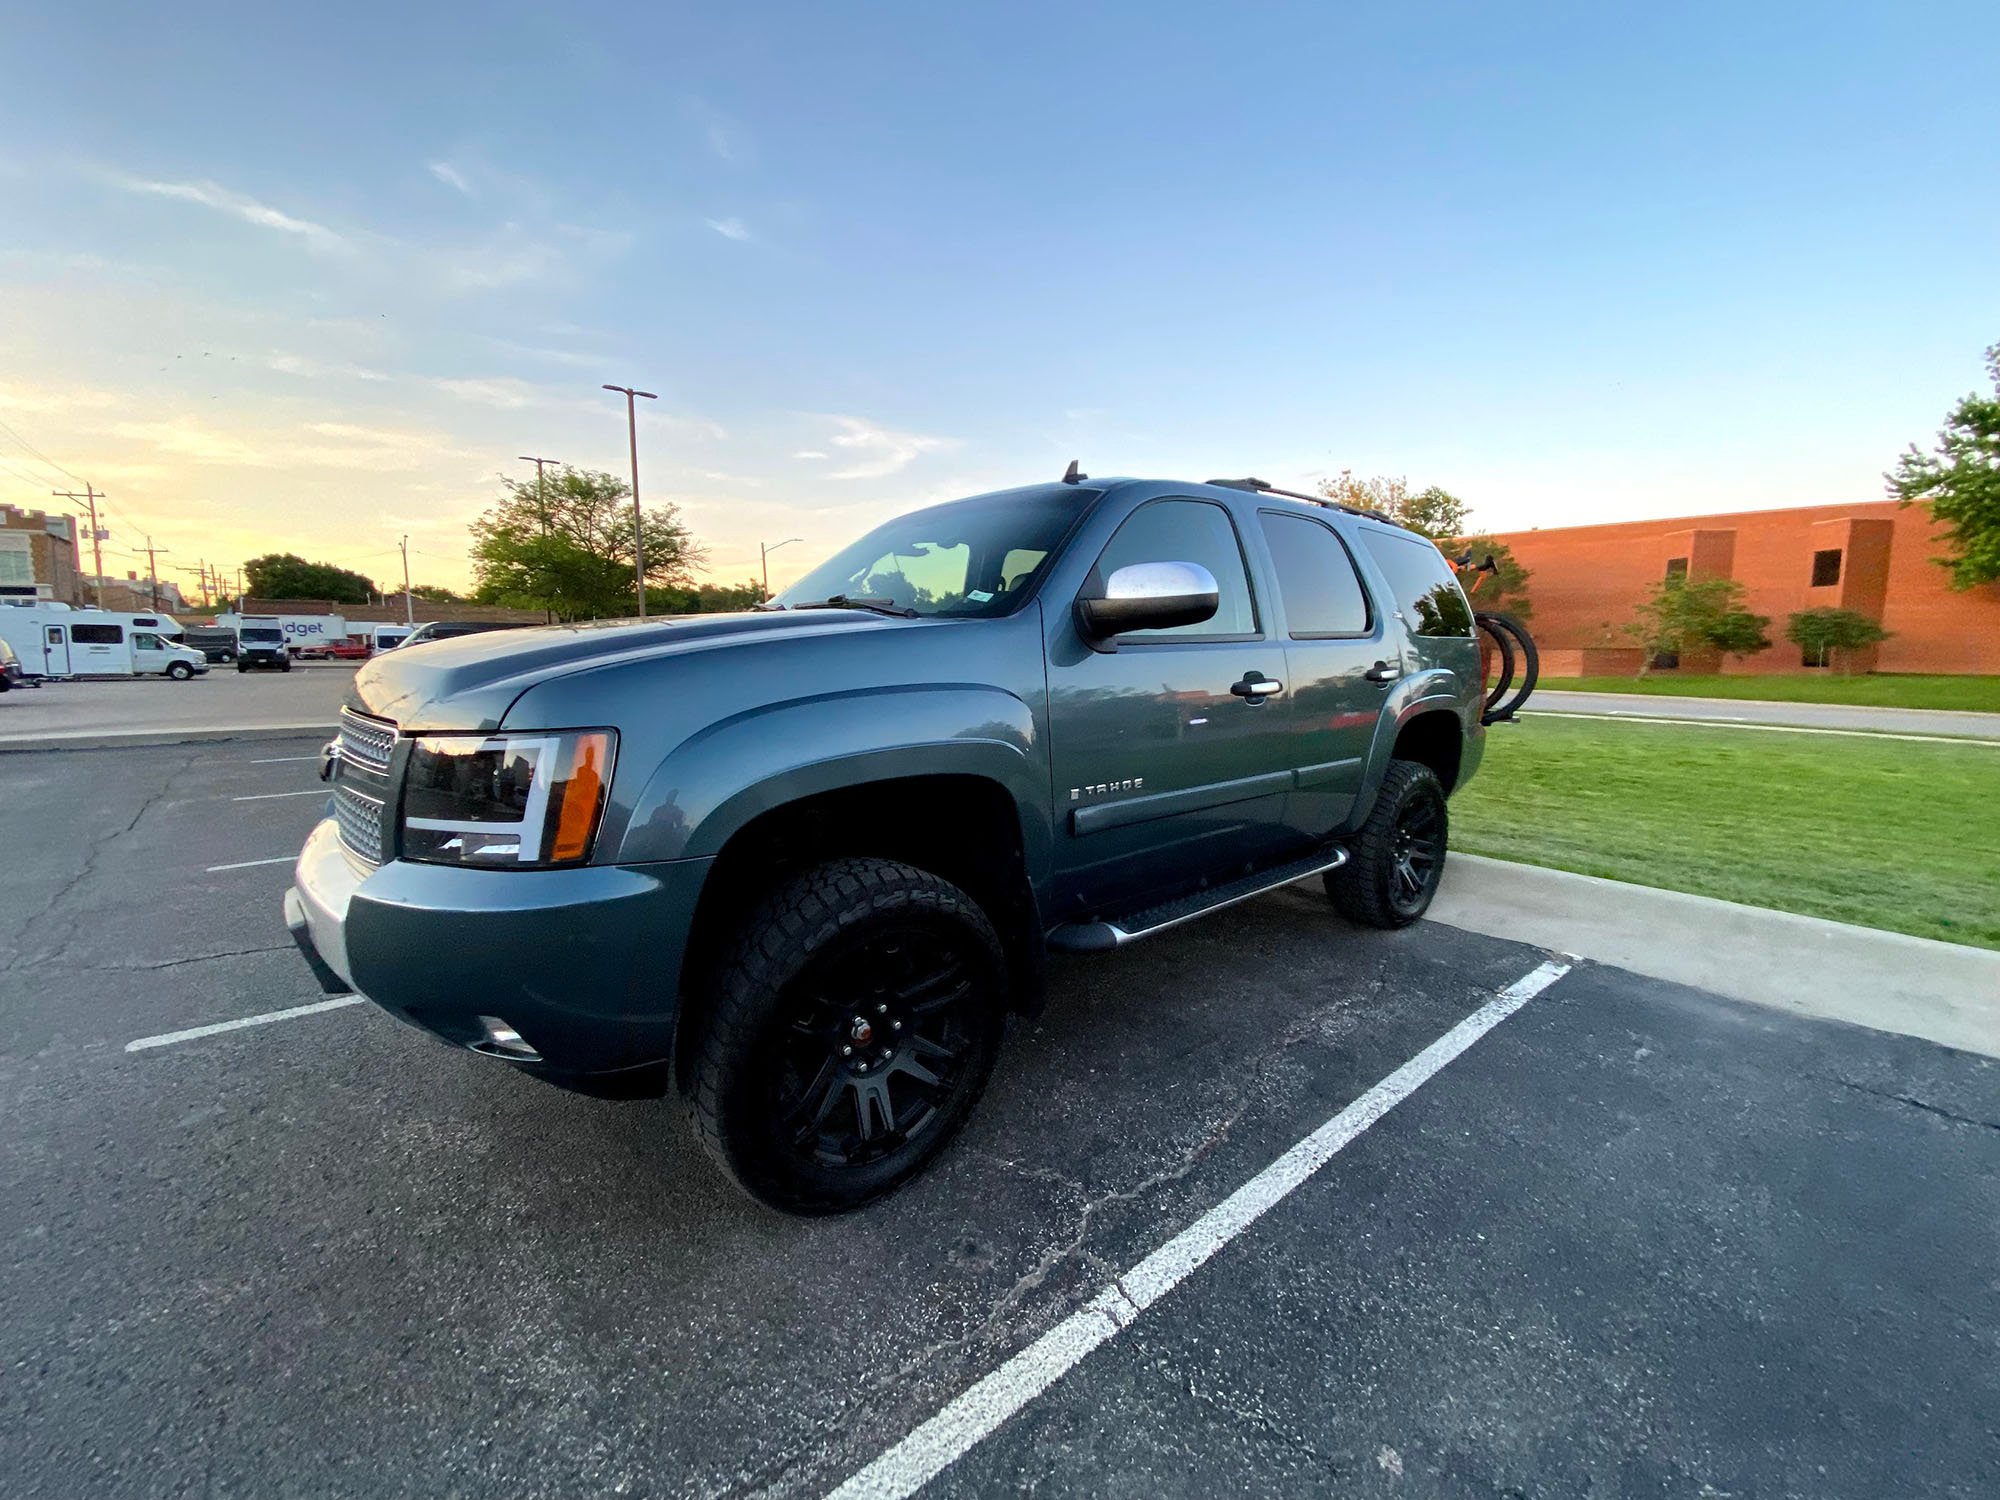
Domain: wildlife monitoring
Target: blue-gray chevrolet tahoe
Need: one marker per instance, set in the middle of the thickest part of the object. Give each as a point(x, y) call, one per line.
point(799, 864)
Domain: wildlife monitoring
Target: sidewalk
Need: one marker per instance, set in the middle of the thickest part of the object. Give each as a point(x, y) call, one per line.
point(1941, 992)
point(1955, 723)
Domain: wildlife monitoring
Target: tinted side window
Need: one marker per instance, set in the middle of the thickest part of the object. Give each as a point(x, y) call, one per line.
point(1191, 531)
point(1316, 577)
point(1425, 591)
point(97, 635)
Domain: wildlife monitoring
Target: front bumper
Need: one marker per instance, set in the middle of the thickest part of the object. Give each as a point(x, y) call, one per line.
point(584, 963)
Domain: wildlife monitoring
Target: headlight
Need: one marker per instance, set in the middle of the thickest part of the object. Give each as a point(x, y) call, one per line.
point(506, 800)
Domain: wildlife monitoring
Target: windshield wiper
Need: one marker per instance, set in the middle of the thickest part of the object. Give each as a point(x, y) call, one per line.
point(849, 601)
point(768, 604)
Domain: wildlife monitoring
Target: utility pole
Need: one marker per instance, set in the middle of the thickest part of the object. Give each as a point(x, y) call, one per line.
point(152, 567)
point(764, 559)
point(90, 497)
point(638, 524)
point(409, 609)
point(542, 505)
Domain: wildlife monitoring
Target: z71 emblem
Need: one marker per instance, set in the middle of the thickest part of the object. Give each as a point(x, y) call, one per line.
point(1105, 788)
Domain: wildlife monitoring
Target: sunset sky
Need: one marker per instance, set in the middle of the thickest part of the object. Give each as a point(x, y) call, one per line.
point(309, 278)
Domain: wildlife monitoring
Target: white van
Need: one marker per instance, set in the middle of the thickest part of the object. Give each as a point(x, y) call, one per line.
point(55, 641)
point(387, 637)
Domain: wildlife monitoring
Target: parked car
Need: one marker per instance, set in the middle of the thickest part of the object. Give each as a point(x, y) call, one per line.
point(214, 642)
point(800, 864)
point(11, 675)
point(445, 630)
point(260, 642)
point(349, 651)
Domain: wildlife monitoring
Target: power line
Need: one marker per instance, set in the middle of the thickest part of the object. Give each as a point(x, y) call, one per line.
point(15, 433)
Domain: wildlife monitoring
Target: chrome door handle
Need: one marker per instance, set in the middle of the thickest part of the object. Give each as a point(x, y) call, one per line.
point(1256, 688)
point(1383, 671)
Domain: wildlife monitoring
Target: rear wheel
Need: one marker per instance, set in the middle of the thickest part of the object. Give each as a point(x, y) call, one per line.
point(1398, 857)
point(852, 1028)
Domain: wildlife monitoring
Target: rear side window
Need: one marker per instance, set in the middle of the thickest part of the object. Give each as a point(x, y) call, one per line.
point(1424, 589)
point(1316, 578)
point(97, 635)
point(1189, 531)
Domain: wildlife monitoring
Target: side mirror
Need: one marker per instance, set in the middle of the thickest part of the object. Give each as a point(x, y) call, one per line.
point(1149, 596)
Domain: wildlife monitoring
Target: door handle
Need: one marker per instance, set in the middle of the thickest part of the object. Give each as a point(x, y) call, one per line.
point(1383, 671)
point(1256, 687)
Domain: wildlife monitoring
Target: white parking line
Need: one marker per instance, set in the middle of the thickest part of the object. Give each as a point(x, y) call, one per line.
point(317, 791)
point(195, 1032)
point(280, 760)
point(250, 864)
point(1630, 716)
point(978, 1412)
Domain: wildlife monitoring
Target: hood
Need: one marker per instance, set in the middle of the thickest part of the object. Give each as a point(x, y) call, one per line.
point(468, 681)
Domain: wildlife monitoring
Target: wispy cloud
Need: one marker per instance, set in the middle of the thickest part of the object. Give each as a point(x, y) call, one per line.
point(876, 450)
point(194, 442)
point(503, 393)
point(222, 200)
point(724, 136)
point(810, 453)
point(317, 369)
point(451, 177)
point(729, 229)
point(572, 358)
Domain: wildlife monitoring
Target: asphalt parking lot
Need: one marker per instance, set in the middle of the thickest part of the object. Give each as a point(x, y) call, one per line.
point(1634, 1240)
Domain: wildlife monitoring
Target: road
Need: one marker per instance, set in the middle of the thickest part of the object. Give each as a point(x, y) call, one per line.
point(223, 698)
point(1804, 715)
point(1634, 1240)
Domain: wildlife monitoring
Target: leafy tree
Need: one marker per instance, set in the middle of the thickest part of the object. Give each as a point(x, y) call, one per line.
point(1505, 589)
point(286, 575)
point(1431, 512)
point(1687, 614)
point(709, 598)
point(1961, 483)
point(1823, 632)
point(565, 545)
point(437, 593)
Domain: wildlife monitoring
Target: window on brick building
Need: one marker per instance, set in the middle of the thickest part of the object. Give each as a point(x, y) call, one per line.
point(1826, 568)
point(1677, 567)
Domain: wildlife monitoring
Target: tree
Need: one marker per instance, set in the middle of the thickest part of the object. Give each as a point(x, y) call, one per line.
point(710, 598)
point(437, 593)
point(1822, 632)
point(1961, 483)
point(1431, 512)
point(565, 545)
point(1688, 614)
point(1505, 589)
point(286, 575)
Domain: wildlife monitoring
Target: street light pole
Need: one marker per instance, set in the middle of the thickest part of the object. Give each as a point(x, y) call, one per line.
point(542, 505)
point(638, 524)
point(764, 559)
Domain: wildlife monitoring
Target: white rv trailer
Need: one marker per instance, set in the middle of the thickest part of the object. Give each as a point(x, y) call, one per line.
point(57, 641)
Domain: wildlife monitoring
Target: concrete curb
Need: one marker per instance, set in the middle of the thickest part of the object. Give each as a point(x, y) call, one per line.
point(1888, 981)
point(91, 739)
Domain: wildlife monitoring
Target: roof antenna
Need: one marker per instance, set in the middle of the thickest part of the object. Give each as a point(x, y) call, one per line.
point(1070, 475)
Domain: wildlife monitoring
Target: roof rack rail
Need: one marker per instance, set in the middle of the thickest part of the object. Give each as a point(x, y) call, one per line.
point(1259, 487)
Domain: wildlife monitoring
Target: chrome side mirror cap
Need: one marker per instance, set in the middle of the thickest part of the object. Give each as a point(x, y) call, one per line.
point(1148, 596)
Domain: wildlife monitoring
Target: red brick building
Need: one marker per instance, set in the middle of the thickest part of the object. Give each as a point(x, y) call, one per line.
point(1876, 559)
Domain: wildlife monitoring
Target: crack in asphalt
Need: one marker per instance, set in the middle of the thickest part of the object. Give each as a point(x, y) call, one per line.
point(1915, 1103)
point(175, 963)
point(89, 868)
point(808, 1456)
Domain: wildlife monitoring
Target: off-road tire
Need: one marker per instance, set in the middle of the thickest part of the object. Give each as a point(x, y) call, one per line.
point(1370, 888)
point(828, 916)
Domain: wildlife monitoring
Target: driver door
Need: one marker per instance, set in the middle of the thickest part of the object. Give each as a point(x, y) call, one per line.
point(1167, 775)
point(149, 656)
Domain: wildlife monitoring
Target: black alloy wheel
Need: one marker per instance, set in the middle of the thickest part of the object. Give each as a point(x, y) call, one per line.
point(848, 1033)
point(1397, 857)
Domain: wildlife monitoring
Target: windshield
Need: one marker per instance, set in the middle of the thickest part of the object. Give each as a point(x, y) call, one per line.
point(972, 557)
point(263, 637)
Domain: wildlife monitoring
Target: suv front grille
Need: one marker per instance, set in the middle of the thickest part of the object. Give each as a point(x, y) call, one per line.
point(360, 820)
point(367, 742)
point(361, 787)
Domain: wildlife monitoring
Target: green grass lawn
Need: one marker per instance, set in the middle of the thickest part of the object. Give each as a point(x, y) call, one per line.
point(1892, 690)
point(1898, 835)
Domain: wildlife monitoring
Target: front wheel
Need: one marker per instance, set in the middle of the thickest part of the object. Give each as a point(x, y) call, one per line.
point(180, 671)
point(1398, 856)
point(850, 1030)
